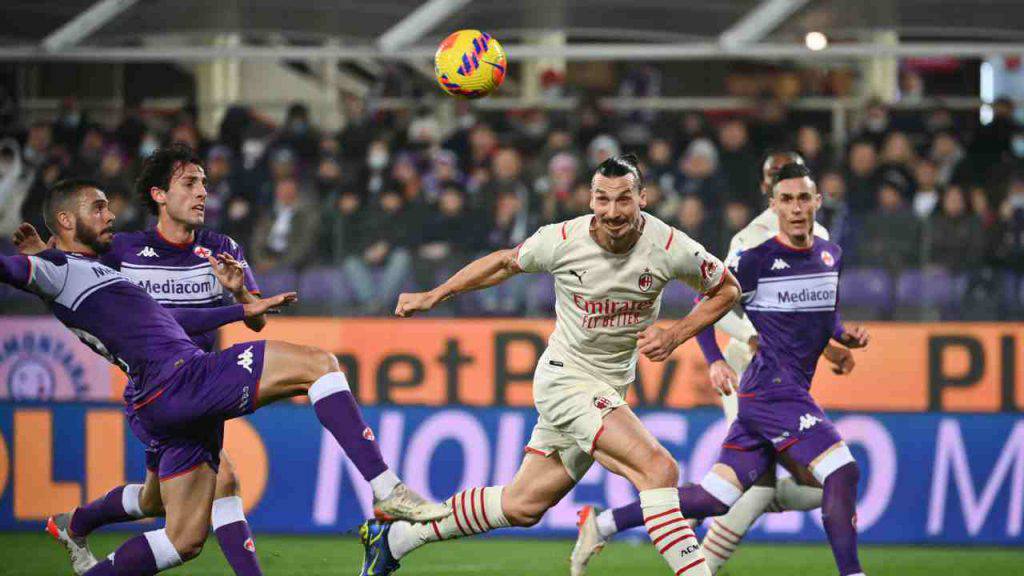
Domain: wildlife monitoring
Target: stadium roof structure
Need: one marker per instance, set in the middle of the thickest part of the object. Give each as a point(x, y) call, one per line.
point(154, 30)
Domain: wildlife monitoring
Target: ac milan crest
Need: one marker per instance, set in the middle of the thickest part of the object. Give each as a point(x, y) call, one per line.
point(601, 402)
point(203, 253)
point(827, 258)
point(707, 269)
point(646, 280)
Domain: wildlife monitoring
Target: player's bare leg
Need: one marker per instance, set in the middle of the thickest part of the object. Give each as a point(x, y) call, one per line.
point(291, 370)
point(187, 500)
point(627, 448)
point(229, 523)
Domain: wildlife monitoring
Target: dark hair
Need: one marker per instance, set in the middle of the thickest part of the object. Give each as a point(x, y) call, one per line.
point(623, 165)
point(159, 168)
point(789, 172)
point(60, 195)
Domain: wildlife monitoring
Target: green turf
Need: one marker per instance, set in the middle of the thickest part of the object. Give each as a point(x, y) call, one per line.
point(37, 554)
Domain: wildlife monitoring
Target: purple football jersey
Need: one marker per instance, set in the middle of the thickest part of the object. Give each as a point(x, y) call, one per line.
point(791, 297)
point(178, 275)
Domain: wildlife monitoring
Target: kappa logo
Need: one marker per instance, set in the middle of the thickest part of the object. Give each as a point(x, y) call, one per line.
point(368, 434)
point(202, 252)
point(808, 421)
point(827, 258)
point(779, 264)
point(249, 545)
point(245, 359)
point(148, 252)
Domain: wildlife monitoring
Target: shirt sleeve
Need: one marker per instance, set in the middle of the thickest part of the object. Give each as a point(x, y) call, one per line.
point(745, 268)
point(15, 270)
point(48, 274)
point(537, 253)
point(691, 263)
point(709, 346)
point(238, 253)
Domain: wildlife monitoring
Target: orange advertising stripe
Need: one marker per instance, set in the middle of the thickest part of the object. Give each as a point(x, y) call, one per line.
point(974, 367)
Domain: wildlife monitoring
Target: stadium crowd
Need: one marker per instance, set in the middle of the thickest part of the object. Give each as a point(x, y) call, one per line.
point(398, 198)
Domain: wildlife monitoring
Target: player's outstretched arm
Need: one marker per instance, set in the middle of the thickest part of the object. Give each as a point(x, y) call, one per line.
point(657, 343)
point(201, 320)
point(484, 272)
point(15, 270)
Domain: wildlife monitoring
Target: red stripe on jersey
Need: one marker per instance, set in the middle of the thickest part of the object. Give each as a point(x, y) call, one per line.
point(677, 541)
point(688, 566)
point(437, 532)
point(593, 444)
point(786, 446)
point(671, 235)
point(747, 395)
point(472, 504)
point(564, 237)
point(483, 510)
point(530, 450)
point(659, 515)
point(138, 405)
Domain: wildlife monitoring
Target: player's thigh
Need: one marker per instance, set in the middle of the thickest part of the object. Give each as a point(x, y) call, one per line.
point(800, 473)
point(227, 480)
point(289, 369)
point(540, 483)
point(625, 447)
point(187, 501)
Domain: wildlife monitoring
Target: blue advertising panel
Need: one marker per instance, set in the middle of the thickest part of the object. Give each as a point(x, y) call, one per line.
point(926, 478)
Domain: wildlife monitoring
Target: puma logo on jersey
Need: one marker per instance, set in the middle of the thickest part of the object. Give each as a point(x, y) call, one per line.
point(578, 275)
point(245, 359)
point(148, 252)
point(779, 264)
point(808, 421)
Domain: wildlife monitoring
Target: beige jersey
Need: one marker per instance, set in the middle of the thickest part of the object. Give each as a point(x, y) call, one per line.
point(604, 300)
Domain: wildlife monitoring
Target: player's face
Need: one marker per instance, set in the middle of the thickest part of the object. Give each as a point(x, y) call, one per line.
point(616, 204)
point(795, 201)
point(94, 222)
point(185, 198)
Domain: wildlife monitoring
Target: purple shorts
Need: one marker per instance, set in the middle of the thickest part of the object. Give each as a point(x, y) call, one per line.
point(182, 424)
point(764, 427)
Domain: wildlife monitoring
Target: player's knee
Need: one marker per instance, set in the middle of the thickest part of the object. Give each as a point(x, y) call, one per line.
point(326, 362)
point(189, 544)
point(660, 468)
point(522, 512)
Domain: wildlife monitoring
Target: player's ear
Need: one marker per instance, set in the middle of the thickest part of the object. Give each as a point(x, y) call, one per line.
point(643, 198)
point(159, 195)
point(66, 220)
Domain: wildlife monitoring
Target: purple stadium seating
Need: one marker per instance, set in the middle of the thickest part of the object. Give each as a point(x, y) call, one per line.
point(277, 281)
point(868, 287)
point(930, 287)
point(322, 284)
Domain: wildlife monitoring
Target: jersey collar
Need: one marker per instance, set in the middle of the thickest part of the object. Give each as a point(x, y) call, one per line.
point(178, 245)
point(782, 242)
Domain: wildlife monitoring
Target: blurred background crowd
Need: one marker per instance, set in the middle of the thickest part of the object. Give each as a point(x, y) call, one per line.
point(927, 204)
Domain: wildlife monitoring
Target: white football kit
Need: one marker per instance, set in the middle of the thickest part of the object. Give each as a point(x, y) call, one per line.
point(602, 303)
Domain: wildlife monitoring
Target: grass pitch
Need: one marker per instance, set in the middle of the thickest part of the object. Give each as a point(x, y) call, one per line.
point(37, 554)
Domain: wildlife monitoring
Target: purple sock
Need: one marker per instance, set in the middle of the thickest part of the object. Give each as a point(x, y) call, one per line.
point(839, 515)
point(100, 512)
point(133, 558)
point(235, 541)
point(628, 516)
point(694, 502)
point(338, 412)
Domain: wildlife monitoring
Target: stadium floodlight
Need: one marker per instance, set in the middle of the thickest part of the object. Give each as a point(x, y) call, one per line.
point(816, 41)
point(82, 26)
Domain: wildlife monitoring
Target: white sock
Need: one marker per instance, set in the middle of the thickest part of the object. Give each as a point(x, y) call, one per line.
point(789, 495)
point(474, 511)
point(670, 532)
point(384, 484)
point(726, 531)
point(130, 500)
point(163, 550)
point(227, 510)
point(606, 524)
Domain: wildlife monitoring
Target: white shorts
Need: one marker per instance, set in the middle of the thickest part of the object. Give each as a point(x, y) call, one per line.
point(571, 405)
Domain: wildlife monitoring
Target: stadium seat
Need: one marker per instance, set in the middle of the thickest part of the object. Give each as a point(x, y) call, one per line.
point(277, 281)
point(930, 287)
point(323, 284)
point(865, 287)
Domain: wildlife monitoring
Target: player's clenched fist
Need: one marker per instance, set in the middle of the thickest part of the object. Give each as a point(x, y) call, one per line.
point(410, 303)
point(655, 343)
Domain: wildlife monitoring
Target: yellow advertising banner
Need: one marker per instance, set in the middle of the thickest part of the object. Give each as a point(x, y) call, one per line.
point(960, 367)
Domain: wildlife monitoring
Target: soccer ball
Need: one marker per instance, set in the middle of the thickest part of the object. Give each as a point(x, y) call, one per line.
point(470, 64)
